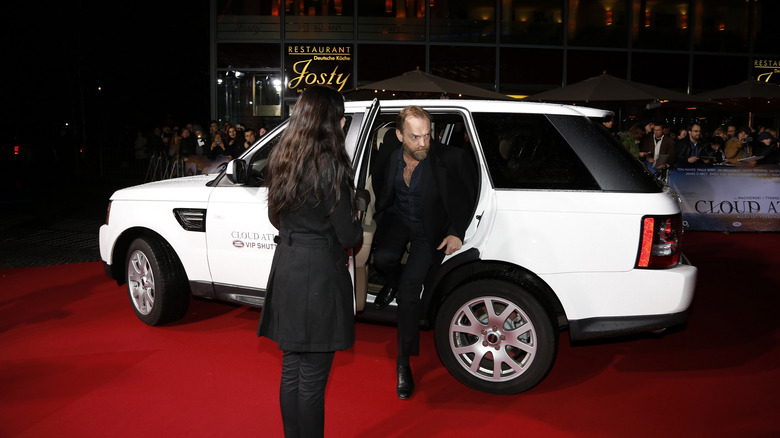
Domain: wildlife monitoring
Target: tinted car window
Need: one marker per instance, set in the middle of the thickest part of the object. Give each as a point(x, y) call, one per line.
point(525, 151)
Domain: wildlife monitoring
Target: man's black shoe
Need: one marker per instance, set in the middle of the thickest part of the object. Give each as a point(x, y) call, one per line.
point(384, 297)
point(405, 386)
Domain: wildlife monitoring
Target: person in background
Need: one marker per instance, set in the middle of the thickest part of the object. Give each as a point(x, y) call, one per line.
point(200, 138)
point(680, 133)
point(234, 141)
point(633, 138)
point(689, 149)
point(739, 147)
point(218, 146)
point(250, 137)
point(308, 306)
point(722, 133)
point(712, 153)
point(609, 124)
point(188, 143)
point(731, 132)
point(767, 148)
point(657, 150)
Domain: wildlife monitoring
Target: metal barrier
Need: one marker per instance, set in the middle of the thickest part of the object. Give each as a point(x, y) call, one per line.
point(122, 162)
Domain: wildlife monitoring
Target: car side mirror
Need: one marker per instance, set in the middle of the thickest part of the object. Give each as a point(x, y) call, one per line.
point(237, 172)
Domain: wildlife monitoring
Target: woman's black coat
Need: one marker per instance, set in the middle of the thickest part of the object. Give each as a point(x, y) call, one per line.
point(309, 298)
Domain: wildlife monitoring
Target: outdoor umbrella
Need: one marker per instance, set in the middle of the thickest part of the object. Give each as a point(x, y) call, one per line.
point(751, 96)
point(416, 84)
point(607, 88)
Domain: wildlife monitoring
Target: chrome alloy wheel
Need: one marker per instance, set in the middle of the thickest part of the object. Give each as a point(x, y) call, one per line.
point(140, 281)
point(493, 339)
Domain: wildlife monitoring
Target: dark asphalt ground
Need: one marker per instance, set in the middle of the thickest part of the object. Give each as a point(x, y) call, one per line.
point(53, 221)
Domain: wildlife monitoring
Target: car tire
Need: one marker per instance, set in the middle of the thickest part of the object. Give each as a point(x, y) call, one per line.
point(492, 319)
point(156, 282)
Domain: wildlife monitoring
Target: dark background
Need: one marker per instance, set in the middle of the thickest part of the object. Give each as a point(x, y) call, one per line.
point(84, 75)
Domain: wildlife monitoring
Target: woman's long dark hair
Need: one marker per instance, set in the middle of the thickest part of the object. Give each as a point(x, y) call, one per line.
point(310, 157)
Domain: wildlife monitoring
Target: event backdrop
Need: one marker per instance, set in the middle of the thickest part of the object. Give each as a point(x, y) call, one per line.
point(729, 198)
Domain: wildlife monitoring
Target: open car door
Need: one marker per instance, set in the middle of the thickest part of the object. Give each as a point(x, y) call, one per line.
point(360, 149)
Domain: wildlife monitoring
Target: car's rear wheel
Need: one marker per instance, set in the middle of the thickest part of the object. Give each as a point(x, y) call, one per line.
point(494, 336)
point(156, 283)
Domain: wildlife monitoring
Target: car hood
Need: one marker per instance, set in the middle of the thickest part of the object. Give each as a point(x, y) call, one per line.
point(190, 188)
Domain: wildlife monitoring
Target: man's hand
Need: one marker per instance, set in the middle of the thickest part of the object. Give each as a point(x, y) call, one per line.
point(450, 244)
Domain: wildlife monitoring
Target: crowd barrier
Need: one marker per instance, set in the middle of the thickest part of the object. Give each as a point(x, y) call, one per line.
point(729, 198)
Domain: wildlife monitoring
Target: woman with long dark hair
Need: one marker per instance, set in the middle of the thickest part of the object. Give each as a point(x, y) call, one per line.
point(308, 308)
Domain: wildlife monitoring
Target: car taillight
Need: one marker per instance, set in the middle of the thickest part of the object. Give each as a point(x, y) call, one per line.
point(660, 242)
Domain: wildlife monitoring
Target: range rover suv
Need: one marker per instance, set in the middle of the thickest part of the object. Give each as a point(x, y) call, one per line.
point(569, 232)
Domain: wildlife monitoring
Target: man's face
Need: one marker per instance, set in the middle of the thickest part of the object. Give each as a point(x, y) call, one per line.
point(696, 132)
point(658, 131)
point(732, 131)
point(249, 136)
point(742, 135)
point(213, 127)
point(416, 137)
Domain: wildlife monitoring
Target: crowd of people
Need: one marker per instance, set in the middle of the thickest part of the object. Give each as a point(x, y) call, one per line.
point(191, 141)
point(662, 147)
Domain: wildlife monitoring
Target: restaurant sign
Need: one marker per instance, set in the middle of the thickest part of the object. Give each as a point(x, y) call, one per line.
point(317, 64)
point(767, 70)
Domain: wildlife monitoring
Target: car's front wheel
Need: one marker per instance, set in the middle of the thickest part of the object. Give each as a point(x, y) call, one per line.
point(156, 282)
point(494, 336)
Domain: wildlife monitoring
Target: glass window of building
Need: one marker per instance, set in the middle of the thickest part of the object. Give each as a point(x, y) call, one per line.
point(767, 32)
point(319, 19)
point(585, 64)
point(246, 55)
point(382, 61)
point(598, 23)
point(721, 25)
point(661, 70)
point(463, 20)
point(530, 71)
point(532, 21)
point(253, 98)
point(662, 24)
point(249, 82)
point(248, 19)
point(391, 20)
point(471, 65)
point(716, 71)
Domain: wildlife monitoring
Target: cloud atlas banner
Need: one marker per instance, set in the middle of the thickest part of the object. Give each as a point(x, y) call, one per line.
point(729, 198)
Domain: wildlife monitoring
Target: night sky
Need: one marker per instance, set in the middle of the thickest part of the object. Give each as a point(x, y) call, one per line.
point(103, 67)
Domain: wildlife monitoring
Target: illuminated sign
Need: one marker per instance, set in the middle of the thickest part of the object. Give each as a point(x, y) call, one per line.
point(767, 70)
point(317, 64)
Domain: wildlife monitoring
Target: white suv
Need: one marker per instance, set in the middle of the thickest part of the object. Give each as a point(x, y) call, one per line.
point(568, 232)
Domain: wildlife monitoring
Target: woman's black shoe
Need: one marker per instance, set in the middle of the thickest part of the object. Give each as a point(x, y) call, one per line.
point(384, 297)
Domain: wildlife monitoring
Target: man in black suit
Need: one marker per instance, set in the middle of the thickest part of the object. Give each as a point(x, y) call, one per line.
point(425, 199)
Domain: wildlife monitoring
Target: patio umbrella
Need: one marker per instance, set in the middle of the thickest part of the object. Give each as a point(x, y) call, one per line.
point(418, 84)
point(608, 88)
point(751, 96)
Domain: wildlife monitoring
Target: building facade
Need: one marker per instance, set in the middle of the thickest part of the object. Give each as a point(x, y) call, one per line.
point(266, 51)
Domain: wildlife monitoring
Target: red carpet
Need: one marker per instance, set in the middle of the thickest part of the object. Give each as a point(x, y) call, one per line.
point(75, 362)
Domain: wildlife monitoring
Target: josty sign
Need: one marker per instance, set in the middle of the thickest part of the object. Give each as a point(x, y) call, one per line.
point(317, 64)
